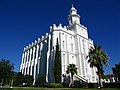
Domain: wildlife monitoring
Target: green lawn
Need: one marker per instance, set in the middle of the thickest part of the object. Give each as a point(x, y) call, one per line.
point(36, 88)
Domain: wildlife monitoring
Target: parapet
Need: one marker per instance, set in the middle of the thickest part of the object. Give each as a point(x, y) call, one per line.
point(59, 27)
point(90, 41)
point(39, 40)
point(83, 27)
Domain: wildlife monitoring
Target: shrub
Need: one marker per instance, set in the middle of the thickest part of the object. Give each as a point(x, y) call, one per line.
point(92, 85)
point(111, 85)
point(28, 80)
point(65, 84)
point(84, 84)
point(40, 81)
point(77, 84)
point(55, 85)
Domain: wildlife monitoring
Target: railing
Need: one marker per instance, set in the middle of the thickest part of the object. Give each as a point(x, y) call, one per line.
point(81, 78)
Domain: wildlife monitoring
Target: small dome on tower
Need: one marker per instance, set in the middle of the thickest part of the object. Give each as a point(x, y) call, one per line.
point(73, 11)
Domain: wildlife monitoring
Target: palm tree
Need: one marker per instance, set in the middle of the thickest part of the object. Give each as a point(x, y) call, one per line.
point(71, 69)
point(6, 70)
point(97, 58)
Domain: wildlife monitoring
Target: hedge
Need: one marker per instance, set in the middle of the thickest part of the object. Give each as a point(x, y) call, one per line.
point(111, 85)
point(55, 85)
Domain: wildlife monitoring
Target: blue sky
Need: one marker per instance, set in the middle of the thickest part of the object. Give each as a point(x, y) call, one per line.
point(23, 21)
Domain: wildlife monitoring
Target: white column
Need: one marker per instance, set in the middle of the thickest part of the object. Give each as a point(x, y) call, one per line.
point(80, 59)
point(84, 57)
point(23, 57)
point(25, 63)
point(32, 54)
point(33, 57)
point(34, 73)
point(48, 55)
point(31, 68)
point(27, 55)
point(78, 50)
point(38, 59)
point(21, 66)
point(28, 62)
point(41, 46)
point(34, 60)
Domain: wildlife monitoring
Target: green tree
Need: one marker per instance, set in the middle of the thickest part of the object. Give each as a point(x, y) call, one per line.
point(97, 58)
point(116, 71)
point(57, 64)
point(6, 71)
point(72, 69)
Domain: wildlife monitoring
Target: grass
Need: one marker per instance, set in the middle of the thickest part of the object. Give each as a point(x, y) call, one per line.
point(37, 88)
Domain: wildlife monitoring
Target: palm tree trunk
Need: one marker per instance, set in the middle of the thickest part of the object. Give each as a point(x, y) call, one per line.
point(99, 75)
point(72, 80)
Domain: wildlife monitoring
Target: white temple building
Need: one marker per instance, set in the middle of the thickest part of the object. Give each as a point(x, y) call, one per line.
point(38, 57)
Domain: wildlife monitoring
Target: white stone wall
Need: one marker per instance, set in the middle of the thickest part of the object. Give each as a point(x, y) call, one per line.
point(38, 57)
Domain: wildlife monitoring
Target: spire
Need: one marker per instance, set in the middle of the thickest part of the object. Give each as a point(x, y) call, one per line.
point(73, 11)
point(72, 4)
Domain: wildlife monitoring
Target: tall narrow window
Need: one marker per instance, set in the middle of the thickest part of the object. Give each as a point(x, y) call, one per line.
point(64, 62)
point(73, 58)
point(23, 57)
point(63, 34)
point(64, 67)
point(35, 52)
point(72, 47)
point(86, 70)
point(32, 54)
point(63, 44)
point(29, 56)
point(73, 61)
point(83, 46)
point(26, 57)
point(39, 51)
point(63, 58)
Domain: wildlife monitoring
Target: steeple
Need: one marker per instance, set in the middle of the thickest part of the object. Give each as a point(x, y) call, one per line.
point(73, 11)
point(73, 17)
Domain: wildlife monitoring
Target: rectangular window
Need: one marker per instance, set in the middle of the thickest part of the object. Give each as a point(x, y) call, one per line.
point(64, 62)
point(28, 55)
point(35, 52)
point(63, 58)
point(83, 42)
point(32, 54)
point(63, 44)
point(72, 47)
point(64, 67)
point(23, 57)
point(63, 34)
point(39, 51)
point(73, 58)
